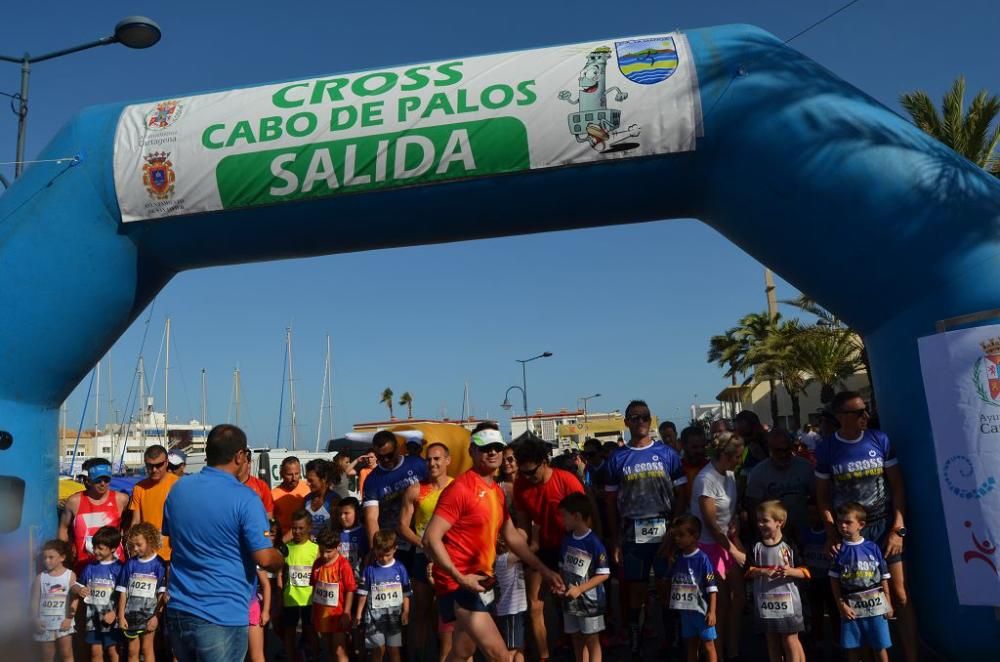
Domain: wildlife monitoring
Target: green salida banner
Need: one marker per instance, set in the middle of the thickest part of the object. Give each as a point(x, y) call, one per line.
point(418, 125)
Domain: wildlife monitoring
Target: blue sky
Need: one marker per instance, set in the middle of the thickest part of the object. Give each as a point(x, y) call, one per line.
point(627, 311)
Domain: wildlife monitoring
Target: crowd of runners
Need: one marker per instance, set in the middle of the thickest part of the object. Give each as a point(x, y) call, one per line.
point(654, 548)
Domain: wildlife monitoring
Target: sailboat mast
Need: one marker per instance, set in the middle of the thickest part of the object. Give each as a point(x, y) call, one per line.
point(322, 397)
point(97, 399)
point(142, 405)
point(236, 388)
point(204, 404)
point(166, 391)
point(291, 385)
point(329, 379)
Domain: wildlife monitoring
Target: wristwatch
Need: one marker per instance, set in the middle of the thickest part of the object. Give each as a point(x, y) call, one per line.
point(901, 532)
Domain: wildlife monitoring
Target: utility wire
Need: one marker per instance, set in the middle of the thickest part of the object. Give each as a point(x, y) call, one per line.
point(820, 21)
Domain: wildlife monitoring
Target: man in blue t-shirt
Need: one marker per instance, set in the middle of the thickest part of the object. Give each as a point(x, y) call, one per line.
point(219, 534)
point(382, 498)
point(856, 464)
point(641, 496)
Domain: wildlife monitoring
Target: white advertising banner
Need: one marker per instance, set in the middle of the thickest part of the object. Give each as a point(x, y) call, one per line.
point(961, 373)
point(407, 126)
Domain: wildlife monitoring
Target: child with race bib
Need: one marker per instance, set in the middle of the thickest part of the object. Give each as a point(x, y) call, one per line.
point(776, 596)
point(52, 608)
point(333, 595)
point(859, 578)
point(584, 564)
point(96, 585)
point(384, 599)
point(296, 593)
point(141, 591)
point(353, 538)
point(693, 588)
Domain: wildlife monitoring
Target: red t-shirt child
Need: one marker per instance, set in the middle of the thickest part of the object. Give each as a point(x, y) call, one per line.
point(476, 509)
point(541, 503)
point(331, 583)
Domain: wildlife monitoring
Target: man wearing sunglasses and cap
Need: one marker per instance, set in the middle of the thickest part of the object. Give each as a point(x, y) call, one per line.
point(88, 511)
point(460, 540)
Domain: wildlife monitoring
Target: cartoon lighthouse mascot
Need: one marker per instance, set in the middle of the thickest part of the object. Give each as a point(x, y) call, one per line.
point(594, 122)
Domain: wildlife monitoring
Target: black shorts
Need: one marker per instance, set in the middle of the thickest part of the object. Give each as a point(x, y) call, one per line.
point(290, 616)
point(406, 556)
point(466, 600)
point(419, 571)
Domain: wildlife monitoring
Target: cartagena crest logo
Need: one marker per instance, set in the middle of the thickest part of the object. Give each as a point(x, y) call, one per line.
point(647, 61)
point(164, 114)
point(158, 175)
point(985, 373)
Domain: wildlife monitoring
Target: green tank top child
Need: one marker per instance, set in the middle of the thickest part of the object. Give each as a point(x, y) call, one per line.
point(297, 591)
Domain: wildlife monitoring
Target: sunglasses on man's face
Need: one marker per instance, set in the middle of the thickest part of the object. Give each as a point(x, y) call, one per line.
point(102, 479)
point(639, 418)
point(856, 412)
point(150, 466)
point(492, 448)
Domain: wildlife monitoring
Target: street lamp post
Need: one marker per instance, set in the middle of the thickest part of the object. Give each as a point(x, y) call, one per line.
point(524, 380)
point(133, 32)
point(585, 399)
point(507, 406)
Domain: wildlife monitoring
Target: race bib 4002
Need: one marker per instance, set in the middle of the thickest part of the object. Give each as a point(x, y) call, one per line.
point(869, 603)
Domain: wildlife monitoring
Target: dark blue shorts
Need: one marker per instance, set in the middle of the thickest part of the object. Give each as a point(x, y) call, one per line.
point(466, 600)
point(639, 558)
point(877, 532)
point(105, 639)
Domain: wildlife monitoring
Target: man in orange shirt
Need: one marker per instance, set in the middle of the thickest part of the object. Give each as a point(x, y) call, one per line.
point(262, 489)
point(149, 494)
point(290, 495)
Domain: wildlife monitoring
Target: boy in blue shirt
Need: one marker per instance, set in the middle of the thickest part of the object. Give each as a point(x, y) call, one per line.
point(353, 539)
point(584, 564)
point(383, 604)
point(96, 585)
point(859, 578)
point(693, 589)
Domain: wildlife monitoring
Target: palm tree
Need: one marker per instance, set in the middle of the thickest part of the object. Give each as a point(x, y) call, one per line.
point(728, 352)
point(826, 318)
point(753, 331)
point(407, 399)
point(829, 355)
point(776, 360)
point(387, 401)
point(968, 133)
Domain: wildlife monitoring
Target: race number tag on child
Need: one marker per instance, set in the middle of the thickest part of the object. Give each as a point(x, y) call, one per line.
point(577, 561)
point(387, 596)
point(776, 605)
point(142, 586)
point(868, 603)
point(684, 597)
point(298, 575)
point(325, 593)
point(650, 530)
point(100, 592)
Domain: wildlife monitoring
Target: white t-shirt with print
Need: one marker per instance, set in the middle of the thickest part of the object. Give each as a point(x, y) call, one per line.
point(722, 490)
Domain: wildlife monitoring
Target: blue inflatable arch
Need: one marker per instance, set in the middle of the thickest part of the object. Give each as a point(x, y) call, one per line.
point(841, 196)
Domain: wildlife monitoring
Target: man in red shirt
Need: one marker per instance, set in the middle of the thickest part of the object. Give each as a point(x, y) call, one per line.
point(257, 485)
point(86, 512)
point(538, 490)
point(461, 541)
